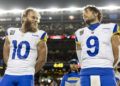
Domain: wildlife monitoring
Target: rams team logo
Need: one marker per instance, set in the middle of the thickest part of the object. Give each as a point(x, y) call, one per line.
point(12, 32)
point(81, 32)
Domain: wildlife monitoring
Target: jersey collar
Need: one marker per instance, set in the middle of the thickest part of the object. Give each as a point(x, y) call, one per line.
point(93, 26)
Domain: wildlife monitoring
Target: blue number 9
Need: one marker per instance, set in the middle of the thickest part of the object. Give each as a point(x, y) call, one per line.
point(90, 45)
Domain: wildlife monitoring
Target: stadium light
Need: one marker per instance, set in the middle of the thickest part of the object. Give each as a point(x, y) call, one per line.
point(71, 17)
point(15, 11)
point(2, 11)
point(110, 7)
point(39, 10)
point(50, 18)
point(74, 8)
point(49, 80)
point(53, 9)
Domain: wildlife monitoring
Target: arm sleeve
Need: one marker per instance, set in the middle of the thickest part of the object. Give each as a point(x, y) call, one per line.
point(63, 81)
point(77, 38)
point(44, 37)
point(6, 34)
point(116, 30)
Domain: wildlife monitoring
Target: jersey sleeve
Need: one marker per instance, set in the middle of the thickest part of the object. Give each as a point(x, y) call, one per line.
point(117, 79)
point(63, 80)
point(10, 31)
point(7, 33)
point(116, 30)
point(77, 37)
point(43, 37)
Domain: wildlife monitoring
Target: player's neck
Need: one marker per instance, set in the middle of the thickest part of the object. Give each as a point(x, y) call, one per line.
point(22, 29)
point(74, 70)
point(94, 22)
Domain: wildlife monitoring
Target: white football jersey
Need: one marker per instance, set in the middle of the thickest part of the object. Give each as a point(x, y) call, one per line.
point(23, 51)
point(96, 45)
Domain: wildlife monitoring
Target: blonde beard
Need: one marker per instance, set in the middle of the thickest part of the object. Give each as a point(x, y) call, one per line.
point(34, 29)
point(29, 28)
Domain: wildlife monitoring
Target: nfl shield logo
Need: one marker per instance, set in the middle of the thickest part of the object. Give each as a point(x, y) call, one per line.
point(12, 32)
point(81, 32)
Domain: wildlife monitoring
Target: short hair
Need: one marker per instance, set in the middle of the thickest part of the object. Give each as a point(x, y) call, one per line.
point(95, 10)
point(27, 10)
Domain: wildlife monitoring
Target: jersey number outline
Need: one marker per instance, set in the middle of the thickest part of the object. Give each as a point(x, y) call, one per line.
point(95, 44)
point(18, 49)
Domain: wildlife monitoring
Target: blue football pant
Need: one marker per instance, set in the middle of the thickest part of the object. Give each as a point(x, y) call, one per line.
point(14, 80)
point(104, 80)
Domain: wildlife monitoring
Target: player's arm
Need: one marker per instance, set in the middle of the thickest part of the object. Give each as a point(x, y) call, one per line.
point(42, 55)
point(115, 43)
point(118, 83)
point(78, 51)
point(6, 49)
point(78, 48)
point(115, 46)
point(63, 81)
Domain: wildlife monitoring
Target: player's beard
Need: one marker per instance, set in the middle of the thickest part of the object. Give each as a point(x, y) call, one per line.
point(73, 69)
point(89, 21)
point(29, 27)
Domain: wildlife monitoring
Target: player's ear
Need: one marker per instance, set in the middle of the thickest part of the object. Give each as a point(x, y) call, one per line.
point(96, 14)
point(23, 19)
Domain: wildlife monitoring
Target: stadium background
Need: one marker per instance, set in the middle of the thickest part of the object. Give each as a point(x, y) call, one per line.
point(60, 21)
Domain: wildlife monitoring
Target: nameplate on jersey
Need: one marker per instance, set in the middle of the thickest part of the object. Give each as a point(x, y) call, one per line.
point(106, 28)
point(81, 32)
point(12, 32)
point(35, 35)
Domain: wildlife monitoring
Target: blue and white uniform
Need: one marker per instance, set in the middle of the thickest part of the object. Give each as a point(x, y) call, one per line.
point(22, 56)
point(71, 79)
point(97, 54)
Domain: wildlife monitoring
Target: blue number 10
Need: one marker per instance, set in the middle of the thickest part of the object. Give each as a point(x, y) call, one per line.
point(95, 45)
point(17, 49)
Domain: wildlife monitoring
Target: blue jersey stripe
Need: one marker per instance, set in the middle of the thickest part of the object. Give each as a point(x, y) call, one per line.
point(115, 28)
point(6, 33)
point(76, 39)
point(43, 36)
